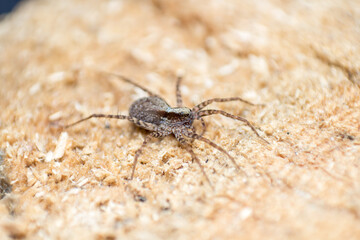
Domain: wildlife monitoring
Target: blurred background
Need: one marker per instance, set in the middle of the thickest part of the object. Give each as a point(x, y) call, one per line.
point(7, 5)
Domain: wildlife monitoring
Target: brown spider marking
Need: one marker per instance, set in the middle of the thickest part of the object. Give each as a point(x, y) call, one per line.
point(155, 115)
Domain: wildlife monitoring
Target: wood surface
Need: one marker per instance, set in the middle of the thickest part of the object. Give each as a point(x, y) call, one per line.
point(298, 58)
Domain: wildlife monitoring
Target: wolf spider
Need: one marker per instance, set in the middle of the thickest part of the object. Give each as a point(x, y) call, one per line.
point(154, 114)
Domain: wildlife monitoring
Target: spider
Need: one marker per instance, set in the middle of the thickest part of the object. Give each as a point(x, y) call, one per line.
point(154, 114)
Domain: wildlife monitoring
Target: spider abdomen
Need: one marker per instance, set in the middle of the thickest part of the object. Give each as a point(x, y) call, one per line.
point(147, 109)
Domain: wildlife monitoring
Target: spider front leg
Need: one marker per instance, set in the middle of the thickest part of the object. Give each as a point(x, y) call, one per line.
point(231, 99)
point(179, 136)
point(209, 112)
point(214, 145)
point(195, 136)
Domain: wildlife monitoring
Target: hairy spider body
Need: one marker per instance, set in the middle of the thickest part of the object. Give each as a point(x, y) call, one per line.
point(157, 111)
point(155, 115)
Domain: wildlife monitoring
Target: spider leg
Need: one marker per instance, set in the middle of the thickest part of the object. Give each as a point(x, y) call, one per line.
point(193, 135)
point(231, 99)
point(128, 80)
point(183, 142)
point(138, 152)
point(138, 122)
point(203, 129)
point(209, 112)
point(96, 115)
point(203, 124)
point(179, 101)
point(194, 157)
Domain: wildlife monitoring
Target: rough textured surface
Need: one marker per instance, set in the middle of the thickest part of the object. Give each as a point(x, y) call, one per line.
point(300, 58)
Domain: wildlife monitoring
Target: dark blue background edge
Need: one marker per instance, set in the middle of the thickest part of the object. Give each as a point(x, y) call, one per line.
point(7, 6)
